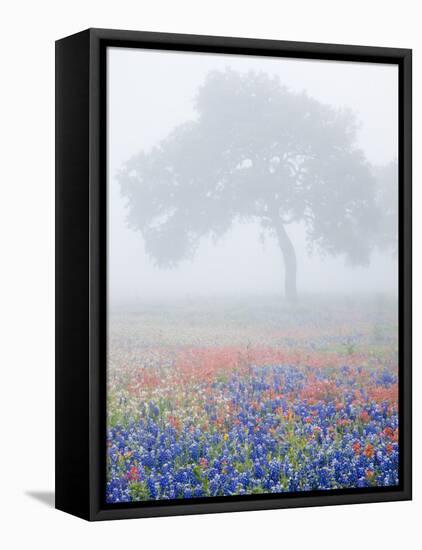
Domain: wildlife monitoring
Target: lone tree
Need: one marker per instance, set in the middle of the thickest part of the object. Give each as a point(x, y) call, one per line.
point(256, 151)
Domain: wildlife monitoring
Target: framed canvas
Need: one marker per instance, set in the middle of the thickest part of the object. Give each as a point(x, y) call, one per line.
point(233, 274)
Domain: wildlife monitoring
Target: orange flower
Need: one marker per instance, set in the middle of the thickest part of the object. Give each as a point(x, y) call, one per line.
point(369, 451)
point(289, 416)
point(356, 447)
point(389, 432)
point(369, 474)
point(389, 449)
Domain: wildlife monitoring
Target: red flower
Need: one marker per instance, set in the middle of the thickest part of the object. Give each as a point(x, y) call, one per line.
point(133, 474)
point(364, 416)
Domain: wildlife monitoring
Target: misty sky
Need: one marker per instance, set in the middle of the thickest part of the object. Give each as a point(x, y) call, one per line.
point(151, 92)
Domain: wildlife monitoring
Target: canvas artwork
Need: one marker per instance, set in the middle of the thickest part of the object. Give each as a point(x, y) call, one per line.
point(252, 276)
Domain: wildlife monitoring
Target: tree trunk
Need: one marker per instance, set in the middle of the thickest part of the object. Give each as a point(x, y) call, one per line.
point(290, 263)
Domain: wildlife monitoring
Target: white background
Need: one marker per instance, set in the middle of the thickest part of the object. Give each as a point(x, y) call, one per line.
point(141, 112)
point(27, 273)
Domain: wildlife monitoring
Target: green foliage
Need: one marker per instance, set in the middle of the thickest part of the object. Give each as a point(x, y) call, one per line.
point(139, 490)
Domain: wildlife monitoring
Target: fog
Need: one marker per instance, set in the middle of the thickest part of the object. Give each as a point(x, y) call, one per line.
point(152, 93)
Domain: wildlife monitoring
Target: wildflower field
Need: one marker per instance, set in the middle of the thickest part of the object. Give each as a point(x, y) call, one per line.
point(235, 397)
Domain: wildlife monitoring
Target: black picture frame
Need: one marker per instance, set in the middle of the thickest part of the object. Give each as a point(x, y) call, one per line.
point(81, 270)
